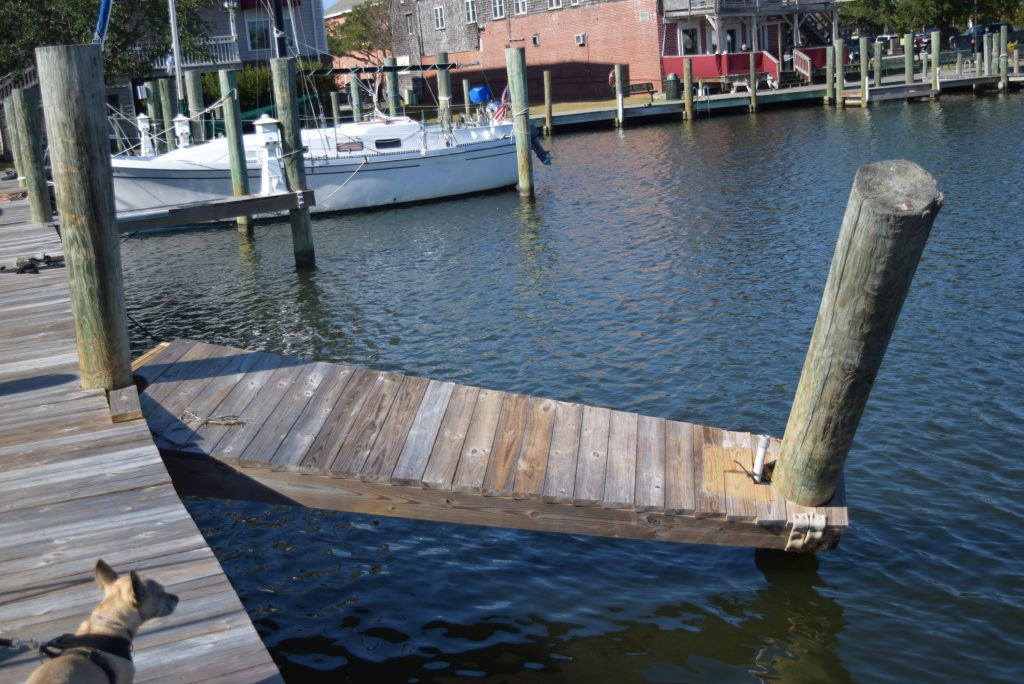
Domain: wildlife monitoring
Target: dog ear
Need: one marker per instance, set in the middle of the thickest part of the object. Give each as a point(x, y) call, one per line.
point(137, 589)
point(104, 574)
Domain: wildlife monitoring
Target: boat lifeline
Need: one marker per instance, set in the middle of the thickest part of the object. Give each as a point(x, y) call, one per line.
point(372, 163)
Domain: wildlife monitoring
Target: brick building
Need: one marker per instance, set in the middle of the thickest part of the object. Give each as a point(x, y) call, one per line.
point(579, 41)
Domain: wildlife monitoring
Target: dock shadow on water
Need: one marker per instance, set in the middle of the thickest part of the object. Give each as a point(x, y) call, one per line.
point(405, 601)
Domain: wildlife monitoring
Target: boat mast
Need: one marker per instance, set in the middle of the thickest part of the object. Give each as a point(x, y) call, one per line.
point(176, 52)
point(100, 34)
point(280, 43)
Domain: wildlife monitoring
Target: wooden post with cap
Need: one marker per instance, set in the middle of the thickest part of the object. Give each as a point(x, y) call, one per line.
point(515, 61)
point(74, 107)
point(888, 219)
point(283, 73)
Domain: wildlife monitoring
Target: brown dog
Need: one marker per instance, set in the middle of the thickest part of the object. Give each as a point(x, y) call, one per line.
point(100, 650)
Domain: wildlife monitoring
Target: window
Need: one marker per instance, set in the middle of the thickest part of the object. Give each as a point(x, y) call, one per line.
point(439, 18)
point(574, 2)
point(470, 11)
point(260, 32)
point(498, 9)
point(536, 39)
point(554, 4)
point(520, 6)
point(409, 25)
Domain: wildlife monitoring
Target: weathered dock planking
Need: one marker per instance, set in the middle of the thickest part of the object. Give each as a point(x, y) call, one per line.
point(254, 425)
point(75, 487)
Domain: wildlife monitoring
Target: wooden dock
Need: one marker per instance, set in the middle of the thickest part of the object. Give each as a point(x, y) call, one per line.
point(259, 426)
point(75, 487)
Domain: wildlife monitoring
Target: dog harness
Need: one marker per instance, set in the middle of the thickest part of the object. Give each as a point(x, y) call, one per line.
point(93, 647)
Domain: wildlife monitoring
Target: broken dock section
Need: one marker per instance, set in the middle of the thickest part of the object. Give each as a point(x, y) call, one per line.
point(254, 425)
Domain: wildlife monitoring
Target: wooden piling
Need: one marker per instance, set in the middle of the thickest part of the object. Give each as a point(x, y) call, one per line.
point(840, 71)
point(168, 110)
point(1016, 61)
point(753, 82)
point(688, 89)
point(466, 85)
point(548, 106)
point(986, 46)
point(878, 65)
point(28, 138)
point(862, 47)
point(908, 58)
point(959, 64)
point(336, 108)
point(620, 98)
point(12, 132)
point(515, 61)
point(355, 97)
point(74, 107)
point(194, 95)
point(830, 60)
point(887, 222)
point(444, 90)
point(1004, 74)
point(283, 73)
point(156, 115)
point(936, 43)
point(391, 87)
point(236, 148)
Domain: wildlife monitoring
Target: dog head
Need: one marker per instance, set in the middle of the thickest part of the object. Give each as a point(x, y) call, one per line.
point(131, 599)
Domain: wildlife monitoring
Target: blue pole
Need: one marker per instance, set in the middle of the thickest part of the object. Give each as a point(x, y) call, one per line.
point(100, 34)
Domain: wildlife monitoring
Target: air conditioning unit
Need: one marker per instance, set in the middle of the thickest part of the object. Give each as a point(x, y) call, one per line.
point(581, 39)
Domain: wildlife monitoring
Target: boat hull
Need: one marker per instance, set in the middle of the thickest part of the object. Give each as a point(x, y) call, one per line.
point(339, 184)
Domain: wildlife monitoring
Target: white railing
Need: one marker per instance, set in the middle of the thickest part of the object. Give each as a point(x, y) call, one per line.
point(802, 64)
point(219, 50)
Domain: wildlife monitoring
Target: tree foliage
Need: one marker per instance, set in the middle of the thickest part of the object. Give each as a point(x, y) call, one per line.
point(365, 34)
point(905, 16)
point(138, 36)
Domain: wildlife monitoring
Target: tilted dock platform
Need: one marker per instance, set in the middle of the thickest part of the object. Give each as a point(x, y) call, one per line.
point(255, 425)
point(75, 487)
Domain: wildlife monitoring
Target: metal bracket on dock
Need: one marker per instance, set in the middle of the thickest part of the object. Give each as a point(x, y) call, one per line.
point(808, 530)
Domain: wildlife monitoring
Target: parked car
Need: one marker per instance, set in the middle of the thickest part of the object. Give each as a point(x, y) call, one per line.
point(923, 40)
point(971, 38)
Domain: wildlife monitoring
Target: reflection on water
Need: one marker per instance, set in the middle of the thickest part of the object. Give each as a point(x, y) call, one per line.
point(673, 270)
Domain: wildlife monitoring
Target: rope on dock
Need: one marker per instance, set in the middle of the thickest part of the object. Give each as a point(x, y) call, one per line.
point(188, 417)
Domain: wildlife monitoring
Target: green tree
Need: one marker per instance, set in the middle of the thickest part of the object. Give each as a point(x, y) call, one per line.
point(138, 36)
point(365, 34)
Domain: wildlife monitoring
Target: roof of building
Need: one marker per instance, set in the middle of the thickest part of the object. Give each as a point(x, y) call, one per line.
point(340, 7)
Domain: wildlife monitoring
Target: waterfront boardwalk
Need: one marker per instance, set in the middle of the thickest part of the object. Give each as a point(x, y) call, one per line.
point(75, 487)
point(255, 425)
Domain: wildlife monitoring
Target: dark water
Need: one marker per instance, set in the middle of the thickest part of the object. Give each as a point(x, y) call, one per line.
point(676, 271)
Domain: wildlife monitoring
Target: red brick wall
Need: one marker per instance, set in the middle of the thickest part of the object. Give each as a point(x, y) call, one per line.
point(619, 32)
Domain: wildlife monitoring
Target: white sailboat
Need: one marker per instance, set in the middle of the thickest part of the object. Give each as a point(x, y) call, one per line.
point(371, 163)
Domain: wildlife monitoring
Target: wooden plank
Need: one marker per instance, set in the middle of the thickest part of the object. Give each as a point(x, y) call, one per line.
point(531, 466)
point(740, 494)
point(349, 460)
point(592, 462)
point(650, 464)
point(212, 210)
point(328, 441)
point(293, 448)
point(476, 449)
point(560, 480)
point(777, 512)
point(274, 429)
point(620, 477)
point(419, 444)
point(508, 438)
point(211, 425)
point(232, 445)
point(161, 361)
point(709, 471)
point(124, 404)
point(388, 446)
point(444, 458)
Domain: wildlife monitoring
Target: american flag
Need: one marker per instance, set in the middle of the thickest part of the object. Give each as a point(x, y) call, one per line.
point(503, 107)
